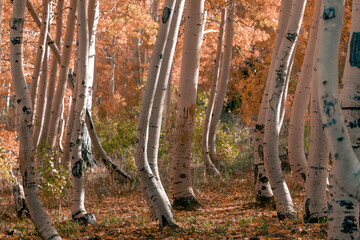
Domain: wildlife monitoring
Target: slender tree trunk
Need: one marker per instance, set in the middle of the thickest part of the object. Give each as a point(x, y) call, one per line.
point(284, 205)
point(224, 77)
point(53, 73)
point(315, 205)
point(262, 185)
point(213, 92)
point(41, 98)
point(40, 217)
point(156, 198)
point(161, 89)
point(297, 121)
point(181, 179)
point(168, 94)
point(64, 68)
point(40, 52)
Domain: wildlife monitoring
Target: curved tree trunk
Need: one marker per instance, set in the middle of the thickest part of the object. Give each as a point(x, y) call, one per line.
point(213, 93)
point(161, 89)
point(156, 198)
point(180, 175)
point(224, 77)
point(298, 113)
point(262, 186)
point(39, 215)
point(284, 205)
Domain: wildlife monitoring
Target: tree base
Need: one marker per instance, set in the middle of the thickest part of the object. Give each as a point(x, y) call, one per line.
point(309, 219)
point(85, 219)
point(283, 216)
point(186, 204)
point(168, 223)
point(264, 201)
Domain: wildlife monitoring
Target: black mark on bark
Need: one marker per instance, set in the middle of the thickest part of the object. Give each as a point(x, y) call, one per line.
point(78, 168)
point(349, 225)
point(291, 37)
point(166, 14)
point(329, 13)
point(183, 175)
point(15, 40)
point(354, 58)
point(17, 24)
point(347, 204)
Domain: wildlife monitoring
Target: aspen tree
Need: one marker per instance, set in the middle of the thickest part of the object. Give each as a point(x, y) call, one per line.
point(298, 113)
point(284, 205)
point(224, 77)
point(262, 186)
point(180, 173)
point(156, 198)
point(39, 215)
point(161, 89)
point(214, 86)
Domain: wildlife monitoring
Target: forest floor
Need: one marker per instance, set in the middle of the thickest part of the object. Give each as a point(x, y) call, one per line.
point(228, 211)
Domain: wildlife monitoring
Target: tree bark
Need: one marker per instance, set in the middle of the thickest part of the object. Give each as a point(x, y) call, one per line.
point(298, 113)
point(224, 78)
point(180, 175)
point(64, 68)
point(161, 89)
point(284, 205)
point(213, 93)
point(263, 190)
point(156, 198)
point(39, 215)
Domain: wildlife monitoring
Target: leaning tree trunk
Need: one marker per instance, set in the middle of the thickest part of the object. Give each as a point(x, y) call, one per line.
point(344, 217)
point(284, 205)
point(263, 190)
point(39, 215)
point(156, 198)
point(224, 77)
point(82, 84)
point(315, 204)
point(180, 175)
point(210, 107)
point(346, 165)
point(161, 89)
point(297, 156)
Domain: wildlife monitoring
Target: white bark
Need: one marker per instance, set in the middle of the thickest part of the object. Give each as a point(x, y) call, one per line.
point(53, 73)
point(64, 68)
point(40, 52)
point(161, 89)
point(284, 205)
point(262, 185)
point(224, 77)
point(40, 217)
point(156, 198)
point(298, 113)
point(180, 175)
point(214, 88)
point(315, 204)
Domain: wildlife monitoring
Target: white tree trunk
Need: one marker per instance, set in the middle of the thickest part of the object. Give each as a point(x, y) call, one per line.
point(262, 185)
point(64, 68)
point(161, 89)
point(40, 217)
point(154, 195)
point(213, 92)
point(53, 73)
point(82, 84)
point(180, 174)
point(297, 156)
point(284, 205)
point(315, 204)
point(40, 52)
